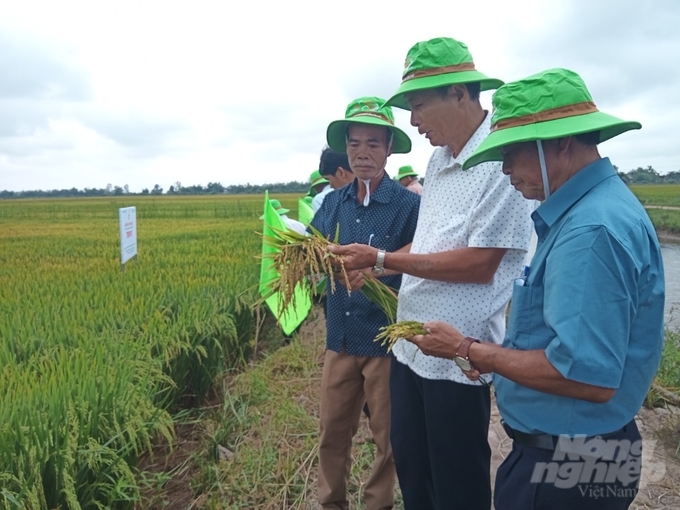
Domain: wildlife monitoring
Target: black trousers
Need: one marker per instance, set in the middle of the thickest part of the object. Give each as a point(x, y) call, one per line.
point(605, 479)
point(440, 442)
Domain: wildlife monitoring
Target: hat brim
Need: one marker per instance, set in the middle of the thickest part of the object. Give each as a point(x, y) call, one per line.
point(440, 80)
point(280, 210)
point(407, 174)
point(321, 180)
point(335, 134)
point(607, 125)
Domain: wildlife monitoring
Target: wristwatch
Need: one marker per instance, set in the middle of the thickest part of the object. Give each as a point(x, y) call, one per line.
point(462, 359)
point(379, 267)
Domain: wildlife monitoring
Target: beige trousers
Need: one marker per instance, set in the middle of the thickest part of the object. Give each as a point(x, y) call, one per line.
point(348, 382)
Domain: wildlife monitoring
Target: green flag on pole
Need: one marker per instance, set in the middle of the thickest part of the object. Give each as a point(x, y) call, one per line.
point(291, 317)
point(305, 212)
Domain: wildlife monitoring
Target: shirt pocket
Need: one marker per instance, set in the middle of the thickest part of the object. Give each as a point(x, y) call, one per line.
point(519, 321)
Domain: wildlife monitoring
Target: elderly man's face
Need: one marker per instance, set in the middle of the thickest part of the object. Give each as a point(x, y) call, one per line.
point(435, 116)
point(521, 163)
point(367, 150)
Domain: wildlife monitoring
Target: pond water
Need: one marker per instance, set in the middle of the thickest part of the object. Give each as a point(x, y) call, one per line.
point(671, 263)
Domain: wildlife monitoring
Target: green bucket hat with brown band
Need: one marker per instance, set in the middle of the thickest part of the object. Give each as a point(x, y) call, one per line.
point(405, 171)
point(437, 63)
point(367, 110)
point(315, 179)
point(548, 105)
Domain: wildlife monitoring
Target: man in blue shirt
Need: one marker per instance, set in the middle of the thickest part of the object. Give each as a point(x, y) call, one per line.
point(372, 209)
point(585, 332)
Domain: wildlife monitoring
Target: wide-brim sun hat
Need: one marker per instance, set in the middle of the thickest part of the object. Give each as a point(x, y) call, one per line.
point(548, 105)
point(439, 62)
point(371, 111)
point(405, 171)
point(315, 178)
point(277, 207)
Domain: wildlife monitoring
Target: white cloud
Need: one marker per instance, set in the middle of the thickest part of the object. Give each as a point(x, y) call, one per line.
point(151, 92)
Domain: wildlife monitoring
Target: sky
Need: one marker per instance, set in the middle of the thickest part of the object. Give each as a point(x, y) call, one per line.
point(144, 92)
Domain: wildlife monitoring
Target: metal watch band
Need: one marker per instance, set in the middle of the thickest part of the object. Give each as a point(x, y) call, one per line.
point(379, 267)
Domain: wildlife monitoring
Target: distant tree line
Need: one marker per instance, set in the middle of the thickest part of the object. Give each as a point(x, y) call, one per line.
point(213, 188)
point(649, 176)
point(638, 176)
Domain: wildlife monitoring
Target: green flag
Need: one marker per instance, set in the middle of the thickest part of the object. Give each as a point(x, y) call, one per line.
point(305, 212)
point(291, 317)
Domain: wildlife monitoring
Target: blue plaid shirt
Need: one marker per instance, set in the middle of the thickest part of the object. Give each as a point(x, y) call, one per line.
point(388, 222)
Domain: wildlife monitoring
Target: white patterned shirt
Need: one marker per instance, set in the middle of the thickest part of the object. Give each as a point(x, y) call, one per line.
point(318, 198)
point(464, 208)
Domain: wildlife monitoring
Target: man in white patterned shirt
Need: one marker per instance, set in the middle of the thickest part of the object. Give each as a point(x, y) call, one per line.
point(470, 244)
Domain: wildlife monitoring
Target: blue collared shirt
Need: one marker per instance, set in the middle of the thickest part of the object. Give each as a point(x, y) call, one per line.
point(594, 301)
point(388, 222)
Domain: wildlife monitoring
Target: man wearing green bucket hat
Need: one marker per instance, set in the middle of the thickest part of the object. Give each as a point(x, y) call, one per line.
point(409, 179)
point(585, 331)
point(290, 222)
point(372, 209)
point(472, 238)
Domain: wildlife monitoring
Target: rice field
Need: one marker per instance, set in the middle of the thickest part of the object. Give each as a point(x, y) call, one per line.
point(658, 194)
point(94, 360)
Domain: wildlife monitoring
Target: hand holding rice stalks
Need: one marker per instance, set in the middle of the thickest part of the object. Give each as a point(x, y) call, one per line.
point(305, 260)
point(300, 260)
point(404, 329)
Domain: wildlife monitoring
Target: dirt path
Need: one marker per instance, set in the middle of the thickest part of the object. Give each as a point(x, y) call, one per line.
point(669, 207)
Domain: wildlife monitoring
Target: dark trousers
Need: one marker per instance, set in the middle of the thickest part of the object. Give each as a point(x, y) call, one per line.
point(440, 442)
point(530, 478)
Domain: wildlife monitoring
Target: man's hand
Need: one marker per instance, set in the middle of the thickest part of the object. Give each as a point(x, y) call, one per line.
point(442, 340)
point(356, 279)
point(356, 256)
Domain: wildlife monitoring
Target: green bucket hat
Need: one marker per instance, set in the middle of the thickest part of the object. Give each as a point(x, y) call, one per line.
point(436, 63)
point(405, 171)
point(276, 204)
point(548, 105)
point(315, 179)
point(367, 110)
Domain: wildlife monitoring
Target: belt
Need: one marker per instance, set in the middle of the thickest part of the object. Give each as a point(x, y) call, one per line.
point(545, 441)
point(542, 441)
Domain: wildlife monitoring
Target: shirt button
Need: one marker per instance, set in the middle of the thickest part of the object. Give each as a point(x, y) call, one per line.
point(346, 313)
point(358, 220)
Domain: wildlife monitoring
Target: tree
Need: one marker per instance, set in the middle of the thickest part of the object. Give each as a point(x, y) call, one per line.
point(157, 190)
point(145, 191)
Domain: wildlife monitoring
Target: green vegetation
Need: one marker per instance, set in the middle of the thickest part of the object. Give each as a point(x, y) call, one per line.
point(668, 375)
point(649, 176)
point(94, 360)
point(269, 420)
point(213, 188)
point(658, 194)
point(660, 201)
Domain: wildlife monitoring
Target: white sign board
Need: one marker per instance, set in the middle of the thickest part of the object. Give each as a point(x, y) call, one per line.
point(128, 233)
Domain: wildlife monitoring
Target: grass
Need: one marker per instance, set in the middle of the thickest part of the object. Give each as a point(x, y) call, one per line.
point(269, 419)
point(663, 195)
point(665, 220)
point(658, 194)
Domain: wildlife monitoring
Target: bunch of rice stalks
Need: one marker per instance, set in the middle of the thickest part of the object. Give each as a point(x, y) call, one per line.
point(300, 260)
point(306, 261)
point(390, 334)
point(381, 295)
